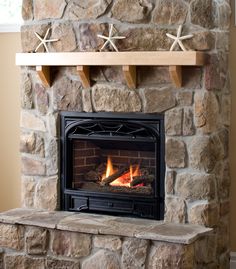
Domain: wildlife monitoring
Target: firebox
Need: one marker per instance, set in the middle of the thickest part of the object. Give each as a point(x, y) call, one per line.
point(113, 163)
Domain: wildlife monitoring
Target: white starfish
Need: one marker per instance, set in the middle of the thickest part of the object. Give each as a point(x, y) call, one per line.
point(44, 40)
point(109, 39)
point(178, 39)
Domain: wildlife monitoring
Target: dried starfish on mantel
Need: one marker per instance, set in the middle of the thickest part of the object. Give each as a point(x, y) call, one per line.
point(44, 40)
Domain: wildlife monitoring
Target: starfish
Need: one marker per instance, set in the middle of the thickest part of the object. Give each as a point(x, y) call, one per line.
point(44, 40)
point(178, 39)
point(109, 39)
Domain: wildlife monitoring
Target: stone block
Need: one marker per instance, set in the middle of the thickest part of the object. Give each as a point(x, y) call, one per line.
point(53, 124)
point(188, 125)
point(17, 261)
point(11, 236)
point(175, 210)
point(26, 92)
point(28, 186)
point(170, 182)
point(52, 156)
point(36, 240)
point(42, 99)
point(192, 77)
point(223, 177)
point(226, 109)
point(176, 154)
point(115, 99)
point(70, 244)
point(131, 10)
point(158, 100)
point(173, 121)
point(205, 249)
point(134, 252)
point(27, 10)
point(224, 14)
point(32, 143)
point(31, 121)
point(52, 263)
point(32, 167)
point(52, 9)
point(169, 12)
point(152, 76)
point(201, 41)
point(222, 41)
point(196, 186)
point(87, 101)
point(112, 243)
point(102, 259)
point(185, 98)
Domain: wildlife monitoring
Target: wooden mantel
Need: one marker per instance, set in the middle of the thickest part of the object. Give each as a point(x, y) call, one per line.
point(128, 60)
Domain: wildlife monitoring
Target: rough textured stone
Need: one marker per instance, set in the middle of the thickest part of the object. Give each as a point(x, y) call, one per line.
point(192, 77)
point(65, 34)
point(171, 256)
point(28, 190)
point(11, 236)
point(196, 186)
point(224, 16)
point(67, 95)
point(52, 156)
point(32, 143)
point(185, 98)
point(205, 254)
point(201, 12)
point(112, 243)
point(102, 259)
point(26, 92)
point(223, 176)
point(222, 41)
point(46, 193)
point(175, 210)
point(152, 76)
point(70, 244)
point(188, 125)
point(36, 241)
point(31, 121)
point(176, 154)
point(17, 261)
point(32, 167)
point(170, 182)
point(42, 99)
point(131, 10)
point(206, 111)
point(27, 10)
point(134, 253)
point(86, 9)
point(158, 100)
point(113, 99)
point(173, 121)
point(52, 124)
point(201, 40)
point(53, 263)
point(52, 9)
point(226, 109)
point(87, 101)
point(170, 12)
point(204, 214)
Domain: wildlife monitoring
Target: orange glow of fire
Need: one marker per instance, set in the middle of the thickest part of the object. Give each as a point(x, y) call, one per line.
point(126, 178)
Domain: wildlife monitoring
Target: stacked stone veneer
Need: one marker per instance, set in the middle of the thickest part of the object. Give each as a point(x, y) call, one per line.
point(196, 116)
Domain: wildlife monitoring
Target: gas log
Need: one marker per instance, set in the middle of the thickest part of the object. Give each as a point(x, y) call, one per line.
point(142, 179)
point(106, 181)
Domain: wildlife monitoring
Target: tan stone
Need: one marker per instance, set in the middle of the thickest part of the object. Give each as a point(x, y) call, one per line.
point(17, 261)
point(205, 249)
point(192, 77)
point(87, 102)
point(176, 154)
point(52, 124)
point(46, 193)
point(131, 10)
point(70, 244)
point(204, 214)
point(170, 182)
point(32, 143)
point(170, 12)
point(173, 121)
point(222, 41)
point(206, 111)
point(52, 157)
point(134, 253)
point(11, 236)
point(171, 256)
point(26, 92)
point(224, 208)
point(53, 9)
point(158, 100)
point(175, 210)
point(42, 99)
point(32, 167)
point(223, 236)
point(102, 259)
point(152, 76)
point(223, 21)
point(36, 241)
point(112, 243)
point(202, 41)
point(30, 121)
point(113, 99)
point(185, 98)
point(53, 263)
point(28, 191)
point(196, 186)
point(27, 10)
point(223, 176)
point(226, 109)
point(86, 9)
point(188, 125)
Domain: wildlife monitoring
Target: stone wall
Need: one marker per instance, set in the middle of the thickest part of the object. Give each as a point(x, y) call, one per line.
point(197, 116)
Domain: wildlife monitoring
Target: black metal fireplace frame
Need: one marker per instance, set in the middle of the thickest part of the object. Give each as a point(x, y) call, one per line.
point(112, 203)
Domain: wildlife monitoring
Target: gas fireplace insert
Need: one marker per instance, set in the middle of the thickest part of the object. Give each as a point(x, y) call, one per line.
point(113, 163)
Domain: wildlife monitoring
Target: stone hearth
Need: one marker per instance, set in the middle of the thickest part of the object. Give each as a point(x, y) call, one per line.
point(197, 119)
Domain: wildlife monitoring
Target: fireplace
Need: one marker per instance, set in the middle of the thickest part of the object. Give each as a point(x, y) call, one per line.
point(113, 163)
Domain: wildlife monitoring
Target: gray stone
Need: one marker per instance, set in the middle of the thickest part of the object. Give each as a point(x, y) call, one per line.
point(134, 253)
point(176, 153)
point(152, 76)
point(223, 21)
point(52, 155)
point(36, 241)
point(52, 9)
point(28, 191)
point(26, 92)
point(53, 263)
point(222, 41)
point(226, 109)
point(70, 244)
point(201, 41)
point(52, 124)
point(87, 101)
point(196, 186)
point(175, 209)
point(131, 10)
point(158, 100)
point(30, 121)
point(11, 236)
point(67, 95)
point(188, 125)
point(205, 254)
point(86, 9)
point(112, 243)
point(102, 259)
point(32, 167)
point(113, 99)
point(18, 261)
point(42, 99)
point(169, 12)
point(192, 77)
point(170, 182)
point(32, 143)
point(173, 121)
point(185, 98)
point(27, 10)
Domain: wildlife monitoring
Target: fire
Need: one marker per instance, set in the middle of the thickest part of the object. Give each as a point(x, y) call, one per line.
point(126, 178)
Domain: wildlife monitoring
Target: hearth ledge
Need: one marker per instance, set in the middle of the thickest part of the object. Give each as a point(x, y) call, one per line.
point(106, 225)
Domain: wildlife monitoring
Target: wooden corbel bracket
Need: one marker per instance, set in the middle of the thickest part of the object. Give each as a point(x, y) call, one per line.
point(44, 74)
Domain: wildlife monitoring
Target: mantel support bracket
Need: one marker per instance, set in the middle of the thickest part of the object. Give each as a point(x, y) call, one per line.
point(176, 75)
point(130, 75)
point(84, 74)
point(44, 74)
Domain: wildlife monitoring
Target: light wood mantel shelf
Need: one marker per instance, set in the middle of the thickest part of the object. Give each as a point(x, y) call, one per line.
point(128, 60)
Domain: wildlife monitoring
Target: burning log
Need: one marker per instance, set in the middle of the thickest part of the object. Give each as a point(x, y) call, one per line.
point(106, 181)
point(141, 179)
